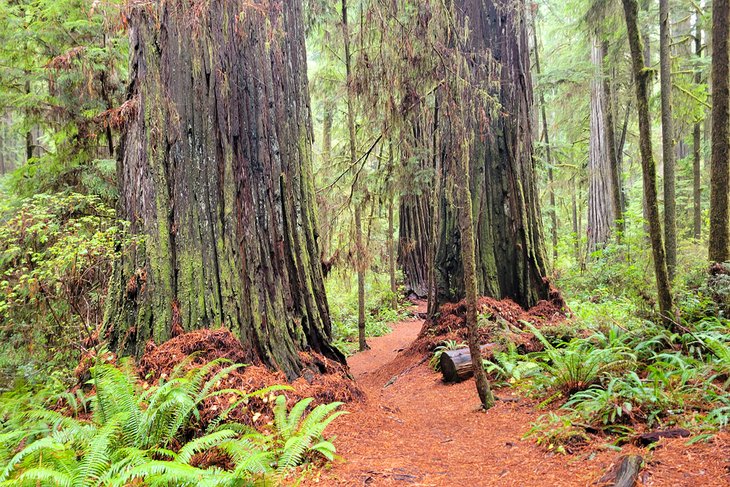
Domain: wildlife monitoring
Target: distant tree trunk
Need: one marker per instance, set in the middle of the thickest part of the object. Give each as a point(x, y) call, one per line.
point(611, 145)
point(697, 145)
point(548, 158)
point(665, 71)
point(602, 213)
point(576, 229)
point(29, 131)
point(215, 174)
point(641, 81)
point(719, 246)
point(327, 133)
point(436, 199)
point(359, 249)
point(415, 207)
point(508, 233)
point(391, 253)
point(413, 231)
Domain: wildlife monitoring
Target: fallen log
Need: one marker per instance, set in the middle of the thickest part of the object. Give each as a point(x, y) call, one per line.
point(647, 439)
point(456, 364)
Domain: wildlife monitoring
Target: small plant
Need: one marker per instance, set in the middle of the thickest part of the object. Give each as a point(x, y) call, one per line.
point(557, 432)
point(580, 365)
point(446, 345)
point(297, 435)
point(510, 365)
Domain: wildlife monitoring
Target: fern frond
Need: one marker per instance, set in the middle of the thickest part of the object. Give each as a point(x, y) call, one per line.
point(203, 443)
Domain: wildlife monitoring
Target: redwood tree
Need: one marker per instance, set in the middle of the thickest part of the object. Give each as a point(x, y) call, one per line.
point(510, 256)
point(719, 248)
point(215, 176)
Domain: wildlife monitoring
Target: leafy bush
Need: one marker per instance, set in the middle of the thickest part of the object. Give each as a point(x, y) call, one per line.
point(56, 253)
point(579, 364)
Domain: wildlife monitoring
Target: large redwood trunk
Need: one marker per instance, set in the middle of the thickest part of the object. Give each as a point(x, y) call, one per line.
point(215, 176)
point(510, 257)
point(415, 207)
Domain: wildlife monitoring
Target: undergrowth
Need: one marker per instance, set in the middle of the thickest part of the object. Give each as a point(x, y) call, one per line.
point(125, 434)
point(382, 308)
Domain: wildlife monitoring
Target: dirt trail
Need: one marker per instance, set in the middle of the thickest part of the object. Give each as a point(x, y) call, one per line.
point(415, 430)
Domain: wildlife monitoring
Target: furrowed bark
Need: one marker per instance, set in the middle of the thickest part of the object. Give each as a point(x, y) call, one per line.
point(508, 233)
point(719, 246)
point(215, 177)
point(602, 210)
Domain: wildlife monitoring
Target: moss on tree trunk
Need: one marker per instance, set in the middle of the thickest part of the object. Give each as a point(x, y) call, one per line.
point(215, 175)
point(510, 255)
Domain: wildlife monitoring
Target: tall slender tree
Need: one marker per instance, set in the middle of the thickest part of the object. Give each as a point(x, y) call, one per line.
point(548, 149)
point(641, 77)
point(719, 246)
point(215, 176)
point(697, 143)
point(360, 263)
point(668, 154)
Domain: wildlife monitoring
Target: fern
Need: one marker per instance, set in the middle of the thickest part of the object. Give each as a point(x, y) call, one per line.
point(301, 435)
point(128, 441)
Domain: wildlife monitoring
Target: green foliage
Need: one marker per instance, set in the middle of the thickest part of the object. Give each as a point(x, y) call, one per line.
point(580, 365)
point(62, 75)
point(342, 297)
point(147, 436)
point(511, 366)
point(557, 432)
point(56, 253)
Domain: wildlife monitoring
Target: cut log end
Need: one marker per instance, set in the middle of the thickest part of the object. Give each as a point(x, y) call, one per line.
point(456, 365)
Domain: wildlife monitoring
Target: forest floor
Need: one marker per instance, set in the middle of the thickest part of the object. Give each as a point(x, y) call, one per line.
point(412, 429)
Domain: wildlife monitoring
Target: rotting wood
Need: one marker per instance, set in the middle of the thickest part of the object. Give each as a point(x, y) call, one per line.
point(647, 439)
point(456, 365)
point(623, 473)
point(628, 471)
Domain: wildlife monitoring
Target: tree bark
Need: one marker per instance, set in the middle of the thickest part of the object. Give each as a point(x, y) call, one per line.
point(719, 245)
point(602, 212)
point(548, 155)
point(215, 176)
point(436, 199)
point(413, 231)
point(466, 228)
point(641, 79)
point(359, 249)
point(668, 154)
point(391, 254)
point(612, 146)
point(697, 146)
point(510, 254)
